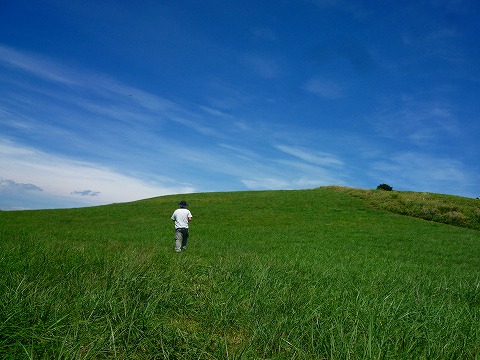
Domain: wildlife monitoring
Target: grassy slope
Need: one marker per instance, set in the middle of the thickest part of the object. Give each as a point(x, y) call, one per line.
point(279, 274)
point(447, 209)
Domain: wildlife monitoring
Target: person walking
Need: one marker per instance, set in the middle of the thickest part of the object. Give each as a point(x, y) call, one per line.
point(182, 216)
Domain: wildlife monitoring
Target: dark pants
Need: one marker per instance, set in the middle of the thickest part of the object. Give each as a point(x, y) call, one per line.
point(181, 237)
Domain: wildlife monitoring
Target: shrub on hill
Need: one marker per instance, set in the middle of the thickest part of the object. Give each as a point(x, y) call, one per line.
point(384, 187)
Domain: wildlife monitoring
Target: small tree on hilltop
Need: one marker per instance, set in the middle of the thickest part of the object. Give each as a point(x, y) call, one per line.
point(384, 187)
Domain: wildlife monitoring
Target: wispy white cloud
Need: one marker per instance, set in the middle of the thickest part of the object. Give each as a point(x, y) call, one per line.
point(295, 168)
point(301, 174)
point(266, 183)
point(419, 121)
point(266, 66)
point(324, 88)
point(95, 94)
point(311, 156)
point(99, 118)
point(216, 112)
point(240, 152)
point(124, 116)
point(439, 47)
point(422, 172)
point(289, 180)
point(62, 177)
point(34, 64)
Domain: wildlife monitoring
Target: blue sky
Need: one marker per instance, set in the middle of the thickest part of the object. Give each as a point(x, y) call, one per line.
point(109, 101)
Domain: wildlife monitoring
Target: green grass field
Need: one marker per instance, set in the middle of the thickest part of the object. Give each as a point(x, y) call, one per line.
point(329, 273)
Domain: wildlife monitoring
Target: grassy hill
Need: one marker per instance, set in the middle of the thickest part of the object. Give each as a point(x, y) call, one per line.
point(324, 273)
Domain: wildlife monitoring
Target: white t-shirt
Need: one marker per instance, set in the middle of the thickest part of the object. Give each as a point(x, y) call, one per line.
point(181, 218)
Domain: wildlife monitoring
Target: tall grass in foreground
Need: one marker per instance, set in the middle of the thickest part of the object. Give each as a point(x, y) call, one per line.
point(280, 275)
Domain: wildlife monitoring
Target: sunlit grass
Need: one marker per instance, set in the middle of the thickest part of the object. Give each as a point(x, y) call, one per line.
point(280, 274)
point(447, 209)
